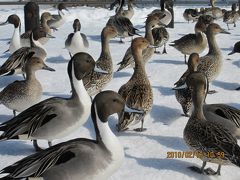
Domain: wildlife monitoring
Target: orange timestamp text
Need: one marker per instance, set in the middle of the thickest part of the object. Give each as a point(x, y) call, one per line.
point(194, 154)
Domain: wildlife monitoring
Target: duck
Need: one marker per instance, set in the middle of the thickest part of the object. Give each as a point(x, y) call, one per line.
point(95, 82)
point(193, 43)
point(211, 63)
point(161, 37)
point(77, 41)
point(236, 48)
point(15, 63)
point(211, 141)
point(231, 17)
point(129, 12)
point(58, 19)
point(79, 158)
point(214, 11)
point(25, 37)
point(46, 120)
point(137, 92)
point(183, 93)
point(152, 22)
point(123, 25)
point(15, 42)
point(191, 15)
point(21, 95)
point(164, 15)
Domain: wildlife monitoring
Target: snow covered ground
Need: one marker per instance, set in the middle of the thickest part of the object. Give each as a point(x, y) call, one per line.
point(145, 152)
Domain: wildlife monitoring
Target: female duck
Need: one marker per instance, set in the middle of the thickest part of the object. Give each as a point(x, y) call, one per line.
point(231, 17)
point(161, 37)
point(76, 42)
point(80, 158)
point(152, 21)
point(20, 95)
point(95, 82)
point(205, 136)
point(137, 91)
point(46, 119)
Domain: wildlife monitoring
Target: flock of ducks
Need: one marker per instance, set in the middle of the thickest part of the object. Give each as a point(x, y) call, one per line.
point(210, 128)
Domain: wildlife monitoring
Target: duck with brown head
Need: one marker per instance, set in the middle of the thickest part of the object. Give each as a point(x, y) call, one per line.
point(137, 91)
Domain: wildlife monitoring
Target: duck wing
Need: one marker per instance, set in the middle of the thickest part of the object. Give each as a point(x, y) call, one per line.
point(85, 41)
point(69, 40)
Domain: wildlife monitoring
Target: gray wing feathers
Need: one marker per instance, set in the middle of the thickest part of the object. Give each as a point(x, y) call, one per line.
point(85, 41)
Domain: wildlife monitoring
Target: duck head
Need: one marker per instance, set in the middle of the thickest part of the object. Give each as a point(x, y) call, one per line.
point(12, 19)
point(236, 48)
point(109, 32)
point(76, 25)
point(35, 63)
point(216, 29)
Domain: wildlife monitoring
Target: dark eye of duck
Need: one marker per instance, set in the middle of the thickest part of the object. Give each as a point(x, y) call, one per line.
point(88, 61)
point(38, 62)
point(114, 100)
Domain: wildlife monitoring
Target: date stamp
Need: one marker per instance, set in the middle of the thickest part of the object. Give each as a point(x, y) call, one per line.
point(193, 154)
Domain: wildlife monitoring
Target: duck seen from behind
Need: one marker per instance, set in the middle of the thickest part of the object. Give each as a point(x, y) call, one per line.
point(77, 41)
point(94, 82)
point(46, 119)
point(161, 37)
point(137, 92)
point(21, 95)
point(206, 137)
point(79, 158)
point(231, 17)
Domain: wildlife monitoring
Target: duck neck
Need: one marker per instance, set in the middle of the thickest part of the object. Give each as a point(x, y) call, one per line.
point(148, 33)
point(30, 74)
point(36, 43)
point(139, 69)
point(60, 13)
point(16, 35)
point(130, 5)
point(105, 47)
point(213, 47)
point(198, 101)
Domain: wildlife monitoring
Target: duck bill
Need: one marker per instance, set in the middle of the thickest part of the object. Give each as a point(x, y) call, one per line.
point(184, 86)
point(99, 70)
point(48, 68)
point(49, 36)
point(231, 53)
point(4, 23)
point(130, 110)
point(225, 32)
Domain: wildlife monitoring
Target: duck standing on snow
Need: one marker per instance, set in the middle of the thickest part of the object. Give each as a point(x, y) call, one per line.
point(46, 119)
point(58, 19)
point(130, 11)
point(137, 91)
point(20, 95)
point(15, 42)
point(122, 24)
point(211, 141)
point(191, 15)
point(193, 43)
point(231, 17)
point(161, 37)
point(94, 82)
point(76, 42)
point(153, 21)
point(80, 158)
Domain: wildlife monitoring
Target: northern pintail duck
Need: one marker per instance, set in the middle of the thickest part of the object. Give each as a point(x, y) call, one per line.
point(161, 37)
point(25, 37)
point(206, 137)
point(211, 64)
point(214, 11)
point(193, 43)
point(58, 19)
point(80, 158)
point(20, 95)
point(15, 63)
point(191, 15)
point(95, 82)
point(137, 91)
point(231, 17)
point(77, 41)
point(164, 15)
point(236, 48)
point(46, 119)
point(122, 24)
point(15, 42)
point(183, 95)
point(130, 11)
point(152, 21)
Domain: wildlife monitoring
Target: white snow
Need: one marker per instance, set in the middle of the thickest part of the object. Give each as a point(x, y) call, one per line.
point(145, 152)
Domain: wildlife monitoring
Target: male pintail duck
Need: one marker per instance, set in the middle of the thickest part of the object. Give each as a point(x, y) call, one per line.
point(137, 91)
point(77, 41)
point(46, 119)
point(236, 48)
point(21, 95)
point(15, 42)
point(79, 158)
point(95, 82)
point(58, 19)
point(152, 21)
point(210, 141)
